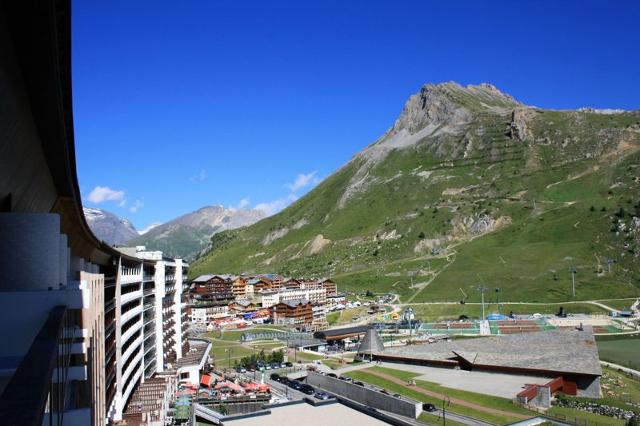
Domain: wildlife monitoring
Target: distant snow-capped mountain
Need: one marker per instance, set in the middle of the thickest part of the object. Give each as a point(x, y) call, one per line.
point(108, 227)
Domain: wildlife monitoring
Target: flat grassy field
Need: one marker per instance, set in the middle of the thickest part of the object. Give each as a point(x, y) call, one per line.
point(227, 348)
point(621, 350)
point(484, 400)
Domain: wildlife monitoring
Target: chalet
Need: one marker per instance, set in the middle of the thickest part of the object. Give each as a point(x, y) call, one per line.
point(243, 306)
point(291, 284)
point(259, 284)
point(293, 312)
point(329, 286)
point(239, 287)
point(213, 288)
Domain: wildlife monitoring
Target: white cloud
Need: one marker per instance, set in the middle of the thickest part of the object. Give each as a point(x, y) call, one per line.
point(137, 205)
point(100, 194)
point(275, 206)
point(202, 175)
point(303, 180)
point(243, 203)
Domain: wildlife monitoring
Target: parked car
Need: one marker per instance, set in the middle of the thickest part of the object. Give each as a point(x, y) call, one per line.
point(359, 383)
point(346, 379)
point(283, 365)
point(275, 377)
point(274, 365)
point(288, 364)
point(308, 389)
point(429, 407)
point(384, 391)
point(294, 384)
point(267, 367)
point(321, 395)
point(332, 375)
point(397, 395)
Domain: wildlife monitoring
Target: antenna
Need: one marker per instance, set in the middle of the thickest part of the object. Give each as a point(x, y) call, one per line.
point(573, 271)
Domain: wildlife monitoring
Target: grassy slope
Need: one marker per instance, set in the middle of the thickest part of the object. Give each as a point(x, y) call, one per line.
point(529, 259)
point(484, 400)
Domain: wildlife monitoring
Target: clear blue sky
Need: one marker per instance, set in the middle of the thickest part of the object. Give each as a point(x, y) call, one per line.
point(179, 105)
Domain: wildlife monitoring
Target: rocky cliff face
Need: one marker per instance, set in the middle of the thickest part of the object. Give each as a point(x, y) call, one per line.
point(109, 227)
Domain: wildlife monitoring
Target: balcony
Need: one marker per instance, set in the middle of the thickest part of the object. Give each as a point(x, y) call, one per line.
point(30, 390)
point(132, 295)
point(148, 278)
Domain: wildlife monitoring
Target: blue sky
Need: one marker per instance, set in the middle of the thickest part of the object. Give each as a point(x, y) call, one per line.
point(252, 103)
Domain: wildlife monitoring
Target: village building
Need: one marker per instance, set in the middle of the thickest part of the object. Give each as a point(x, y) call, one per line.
point(267, 299)
point(293, 312)
point(330, 287)
point(315, 296)
point(239, 288)
point(213, 288)
point(292, 283)
point(242, 306)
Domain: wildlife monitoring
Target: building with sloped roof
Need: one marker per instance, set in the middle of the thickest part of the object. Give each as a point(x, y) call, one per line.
point(293, 312)
point(571, 355)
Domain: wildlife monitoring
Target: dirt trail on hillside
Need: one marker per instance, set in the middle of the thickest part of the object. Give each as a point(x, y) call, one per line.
point(453, 400)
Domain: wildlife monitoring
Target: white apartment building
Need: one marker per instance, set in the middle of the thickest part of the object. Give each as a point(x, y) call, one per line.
point(149, 322)
point(270, 298)
point(207, 314)
point(315, 296)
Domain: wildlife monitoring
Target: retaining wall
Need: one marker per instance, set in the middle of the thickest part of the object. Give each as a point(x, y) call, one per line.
point(367, 396)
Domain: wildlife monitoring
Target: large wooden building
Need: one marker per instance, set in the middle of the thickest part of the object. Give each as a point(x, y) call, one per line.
point(293, 312)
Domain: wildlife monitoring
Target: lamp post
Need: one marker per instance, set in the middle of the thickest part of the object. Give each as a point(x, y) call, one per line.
point(573, 271)
point(444, 409)
point(481, 289)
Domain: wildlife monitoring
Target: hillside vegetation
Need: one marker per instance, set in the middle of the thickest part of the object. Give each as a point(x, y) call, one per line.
point(469, 186)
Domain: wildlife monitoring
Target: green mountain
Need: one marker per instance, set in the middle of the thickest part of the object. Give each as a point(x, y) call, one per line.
point(469, 186)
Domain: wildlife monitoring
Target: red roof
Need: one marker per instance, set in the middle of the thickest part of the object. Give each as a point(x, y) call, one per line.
point(205, 380)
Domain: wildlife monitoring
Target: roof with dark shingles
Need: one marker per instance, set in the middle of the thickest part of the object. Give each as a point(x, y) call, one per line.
point(565, 351)
point(361, 329)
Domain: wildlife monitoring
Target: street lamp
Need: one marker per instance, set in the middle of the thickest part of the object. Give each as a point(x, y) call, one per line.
point(573, 271)
point(444, 409)
point(481, 289)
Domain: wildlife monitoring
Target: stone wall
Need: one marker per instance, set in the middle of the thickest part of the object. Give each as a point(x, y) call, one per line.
point(367, 396)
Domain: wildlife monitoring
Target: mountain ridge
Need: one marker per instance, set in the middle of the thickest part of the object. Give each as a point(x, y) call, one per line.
point(188, 234)
point(464, 173)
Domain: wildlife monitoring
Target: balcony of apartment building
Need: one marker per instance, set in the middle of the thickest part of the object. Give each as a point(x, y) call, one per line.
point(130, 274)
point(130, 310)
point(110, 349)
point(132, 346)
point(133, 363)
point(129, 292)
point(130, 328)
point(48, 358)
point(148, 273)
point(150, 367)
point(149, 288)
point(149, 304)
point(131, 382)
point(109, 322)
